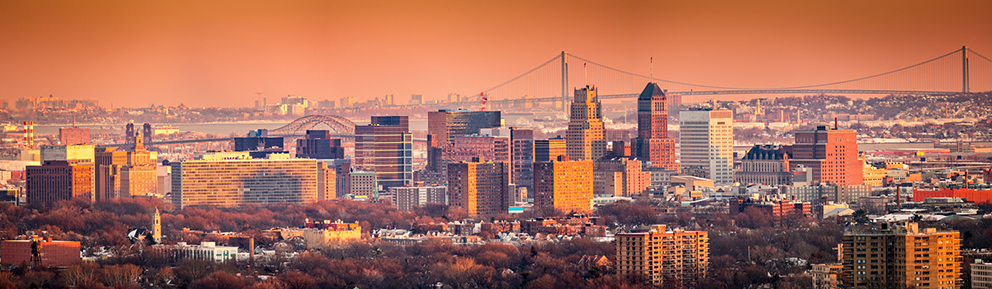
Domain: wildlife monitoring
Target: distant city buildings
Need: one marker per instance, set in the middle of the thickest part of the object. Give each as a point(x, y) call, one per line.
point(584, 138)
point(549, 149)
point(318, 144)
point(564, 185)
point(831, 155)
point(385, 147)
point(765, 164)
point(707, 140)
point(480, 187)
point(445, 124)
point(237, 182)
point(407, 198)
point(652, 143)
point(74, 135)
point(55, 181)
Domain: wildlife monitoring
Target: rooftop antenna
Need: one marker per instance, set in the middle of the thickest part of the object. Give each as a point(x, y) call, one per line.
point(586, 72)
point(652, 66)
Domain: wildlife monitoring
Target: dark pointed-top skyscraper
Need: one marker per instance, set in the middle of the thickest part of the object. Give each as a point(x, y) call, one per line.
point(652, 143)
point(584, 139)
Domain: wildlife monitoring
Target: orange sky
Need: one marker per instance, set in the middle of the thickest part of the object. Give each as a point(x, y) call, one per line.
point(220, 53)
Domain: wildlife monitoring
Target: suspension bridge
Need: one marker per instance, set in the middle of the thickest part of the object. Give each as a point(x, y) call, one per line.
point(956, 72)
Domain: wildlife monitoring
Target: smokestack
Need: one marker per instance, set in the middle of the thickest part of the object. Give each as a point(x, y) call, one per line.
point(835, 123)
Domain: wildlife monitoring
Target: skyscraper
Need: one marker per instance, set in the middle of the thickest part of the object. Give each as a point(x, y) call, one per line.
point(563, 185)
point(479, 187)
point(832, 155)
point(652, 143)
point(385, 146)
point(708, 145)
point(584, 137)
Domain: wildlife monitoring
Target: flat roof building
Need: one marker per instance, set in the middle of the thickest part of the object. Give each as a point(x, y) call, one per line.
point(234, 183)
point(656, 253)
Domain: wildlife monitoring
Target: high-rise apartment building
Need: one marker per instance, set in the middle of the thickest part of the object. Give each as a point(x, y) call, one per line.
point(237, 182)
point(445, 124)
point(480, 187)
point(407, 198)
point(707, 139)
point(563, 185)
point(656, 253)
point(584, 139)
point(891, 255)
point(58, 180)
point(831, 154)
point(549, 149)
point(385, 146)
point(652, 143)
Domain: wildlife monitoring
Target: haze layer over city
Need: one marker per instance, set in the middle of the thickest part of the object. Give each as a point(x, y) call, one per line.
point(513, 144)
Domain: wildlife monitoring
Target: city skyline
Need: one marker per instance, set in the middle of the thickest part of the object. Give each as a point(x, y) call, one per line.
point(222, 54)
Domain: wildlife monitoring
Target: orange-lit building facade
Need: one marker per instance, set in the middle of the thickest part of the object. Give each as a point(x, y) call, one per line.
point(549, 149)
point(657, 253)
point(584, 138)
point(50, 253)
point(58, 180)
point(831, 154)
point(564, 185)
point(901, 256)
point(481, 188)
point(977, 196)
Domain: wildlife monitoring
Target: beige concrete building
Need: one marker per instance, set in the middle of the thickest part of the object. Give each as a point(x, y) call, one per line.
point(584, 139)
point(707, 144)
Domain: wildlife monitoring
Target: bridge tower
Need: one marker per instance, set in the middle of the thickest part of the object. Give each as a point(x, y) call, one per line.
point(564, 82)
point(964, 69)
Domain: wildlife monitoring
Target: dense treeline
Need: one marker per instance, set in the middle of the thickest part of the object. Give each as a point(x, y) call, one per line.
point(745, 249)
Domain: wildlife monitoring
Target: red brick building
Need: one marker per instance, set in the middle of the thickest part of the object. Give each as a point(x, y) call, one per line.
point(977, 196)
point(40, 252)
point(831, 155)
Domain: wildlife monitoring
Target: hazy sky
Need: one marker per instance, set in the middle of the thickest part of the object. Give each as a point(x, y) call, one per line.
point(220, 53)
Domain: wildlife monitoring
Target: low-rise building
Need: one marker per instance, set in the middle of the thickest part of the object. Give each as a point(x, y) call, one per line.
point(207, 251)
point(39, 252)
point(981, 275)
point(825, 275)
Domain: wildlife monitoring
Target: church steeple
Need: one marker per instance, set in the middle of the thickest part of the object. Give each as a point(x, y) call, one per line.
point(157, 227)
